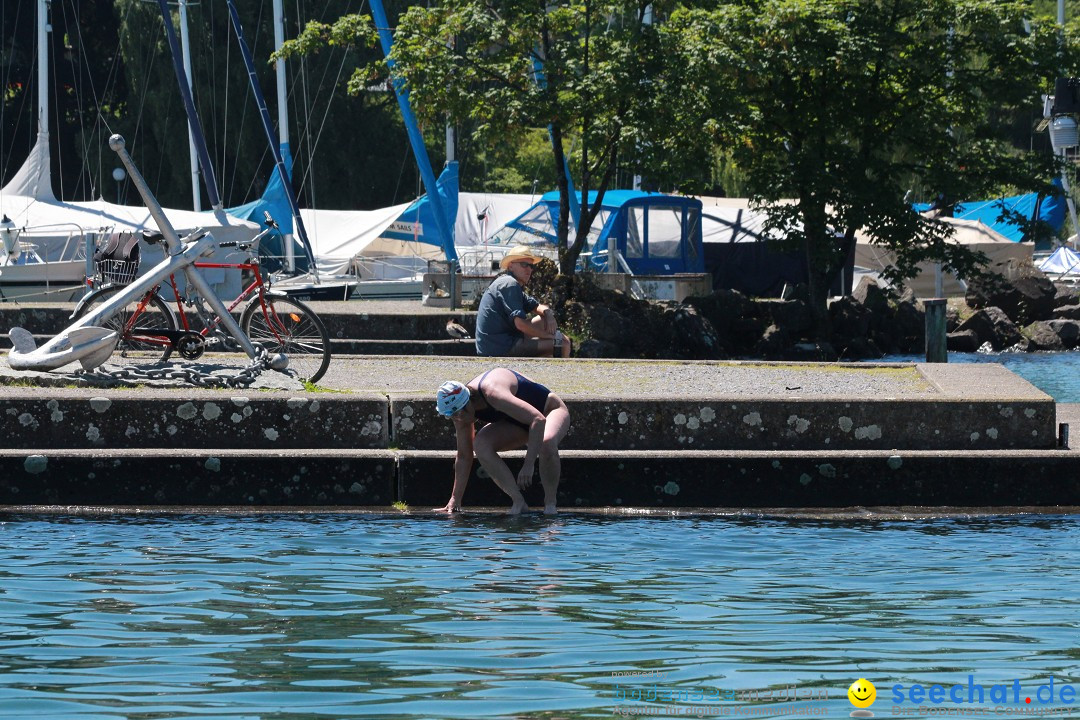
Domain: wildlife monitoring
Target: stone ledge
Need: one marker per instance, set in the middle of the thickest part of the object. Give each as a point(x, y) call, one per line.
point(930, 423)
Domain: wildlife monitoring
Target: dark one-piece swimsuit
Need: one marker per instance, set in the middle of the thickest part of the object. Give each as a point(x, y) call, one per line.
point(531, 392)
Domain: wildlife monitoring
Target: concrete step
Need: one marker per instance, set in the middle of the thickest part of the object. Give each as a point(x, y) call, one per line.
point(148, 418)
point(706, 479)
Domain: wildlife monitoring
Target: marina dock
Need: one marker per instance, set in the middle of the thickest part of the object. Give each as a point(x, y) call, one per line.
point(654, 435)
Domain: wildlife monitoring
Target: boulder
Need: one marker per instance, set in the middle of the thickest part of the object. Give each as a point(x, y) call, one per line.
point(849, 319)
point(992, 325)
point(791, 315)
point(1068, 331)
point(1041, 336)
point(1067, 312)
point(692, 336)
point(910, 326)
point(870, 295)
point(1066, 295)
point(773, 344)
point(962, 341)
point(1023, 300)
point(593, 348)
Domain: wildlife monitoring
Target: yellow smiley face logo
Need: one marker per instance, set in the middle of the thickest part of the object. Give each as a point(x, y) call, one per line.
point(862, 693)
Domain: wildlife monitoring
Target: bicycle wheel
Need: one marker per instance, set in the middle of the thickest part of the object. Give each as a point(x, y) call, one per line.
point(289, 326)
point(138, 344)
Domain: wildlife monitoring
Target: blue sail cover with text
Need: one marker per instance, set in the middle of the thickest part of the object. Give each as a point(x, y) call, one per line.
point(417, 224)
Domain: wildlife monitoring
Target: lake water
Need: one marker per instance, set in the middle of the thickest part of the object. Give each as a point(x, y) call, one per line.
point(479, 617)
point(1056, 374)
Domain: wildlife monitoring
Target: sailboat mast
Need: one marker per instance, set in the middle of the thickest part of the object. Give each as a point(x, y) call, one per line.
point(193, 155)
point(43, 28)
point(282, 113)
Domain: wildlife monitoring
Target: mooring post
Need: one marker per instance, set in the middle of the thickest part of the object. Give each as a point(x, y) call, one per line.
point(937, 350)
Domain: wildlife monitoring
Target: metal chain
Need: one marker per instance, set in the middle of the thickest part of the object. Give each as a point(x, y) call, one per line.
point(133, 376)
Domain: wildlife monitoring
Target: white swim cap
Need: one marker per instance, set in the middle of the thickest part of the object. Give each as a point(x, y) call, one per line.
point(451, 397)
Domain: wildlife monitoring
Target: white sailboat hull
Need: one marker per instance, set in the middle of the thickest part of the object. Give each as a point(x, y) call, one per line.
point(60, 281)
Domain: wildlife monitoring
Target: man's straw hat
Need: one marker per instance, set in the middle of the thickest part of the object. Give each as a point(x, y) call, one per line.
point(517, 254)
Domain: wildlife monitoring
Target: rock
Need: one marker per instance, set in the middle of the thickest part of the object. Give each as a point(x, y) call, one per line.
point(1041, 336)
point(1066, 295)
point(593, 348)
point(850, 320)
point(952, 318)
point(692, 336)
point(870, 295)
point(811, 351)
point(1068, 331)
point(1067, 312)
point(773, 344)
point(910, 326)
point(791, 315)
point(1023, 300)
point(607, 325)
point(992, 325)
point(861, 349)
point(962, 341)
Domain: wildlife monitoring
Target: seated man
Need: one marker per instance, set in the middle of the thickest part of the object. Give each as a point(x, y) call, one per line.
point(514, 412)
point(512, 323)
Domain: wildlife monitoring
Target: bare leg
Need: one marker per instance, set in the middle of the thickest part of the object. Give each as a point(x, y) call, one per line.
point(489, 441)
point(558, 422)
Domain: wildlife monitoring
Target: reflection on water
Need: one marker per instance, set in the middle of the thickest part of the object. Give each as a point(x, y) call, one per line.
point(345, 616)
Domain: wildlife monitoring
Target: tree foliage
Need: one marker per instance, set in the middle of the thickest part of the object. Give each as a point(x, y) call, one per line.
point(840, 105)
point(596, 71)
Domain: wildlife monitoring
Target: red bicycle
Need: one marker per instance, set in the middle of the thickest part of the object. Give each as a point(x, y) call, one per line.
point(149, 331)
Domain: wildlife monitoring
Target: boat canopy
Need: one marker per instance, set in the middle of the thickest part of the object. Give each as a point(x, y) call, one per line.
point(1063, 261)
point(656, 234)
point(1049, 209)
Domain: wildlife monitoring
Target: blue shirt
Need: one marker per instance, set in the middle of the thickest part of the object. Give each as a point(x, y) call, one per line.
point(503, 301)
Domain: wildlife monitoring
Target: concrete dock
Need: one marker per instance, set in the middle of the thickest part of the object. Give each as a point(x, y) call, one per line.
point(645, 434)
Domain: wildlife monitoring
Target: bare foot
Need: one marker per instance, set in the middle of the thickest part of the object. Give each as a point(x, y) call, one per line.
point(518, 507)
point(549, 509)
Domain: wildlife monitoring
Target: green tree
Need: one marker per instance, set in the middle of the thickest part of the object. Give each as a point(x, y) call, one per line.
point(838, 106)
point(605, 71)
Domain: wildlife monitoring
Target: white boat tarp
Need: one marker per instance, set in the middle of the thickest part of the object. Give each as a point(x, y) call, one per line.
point(1063, 261)
point(1005, 257)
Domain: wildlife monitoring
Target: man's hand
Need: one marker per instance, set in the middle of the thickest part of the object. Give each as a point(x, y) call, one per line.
point(549, 319)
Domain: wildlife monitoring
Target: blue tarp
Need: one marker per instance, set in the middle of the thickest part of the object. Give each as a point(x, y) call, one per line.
point(274, 200)
point(417, 223)
point(1051, 210)
point(656, 234)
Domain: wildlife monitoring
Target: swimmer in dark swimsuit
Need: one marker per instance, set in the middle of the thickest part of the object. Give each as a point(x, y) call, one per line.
point(514, 412)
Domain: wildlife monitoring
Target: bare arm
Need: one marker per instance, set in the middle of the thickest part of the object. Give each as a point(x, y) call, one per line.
point(464, 432)
point(542, 330)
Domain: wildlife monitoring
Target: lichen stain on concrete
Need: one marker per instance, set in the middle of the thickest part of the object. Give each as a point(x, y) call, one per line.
point(240, 400)
point(800, 424)
point(845, 424)
point(212, 464)
point(1029, 413)
point(171, 429)
point(236, 417)
point(707, 414)
point(27, 420)
point(407, 411)
point(894, 462)
point(680, 419)
point(693, 423)
point(1006, 412)
point(247, 411)
point(870, 432)
point(356, 489)
point(100, 404)
point(54, 408)
point(295, 403)
point(776, 464)
point(623, 418)
point(805, 479)
point(93, 434)
point(975, 436)
point(992, 433)
point(187, 411)
point(405, 424)
point(827, 470)
point(752, 419)
point(671, 488)
point(270, 434)
point(373, 427)
point(211, 411)
point(11, 411)
point(131, 431)
point(35, 464)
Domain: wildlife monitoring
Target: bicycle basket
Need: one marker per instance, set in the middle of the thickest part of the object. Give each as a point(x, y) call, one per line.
point(116, 261)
